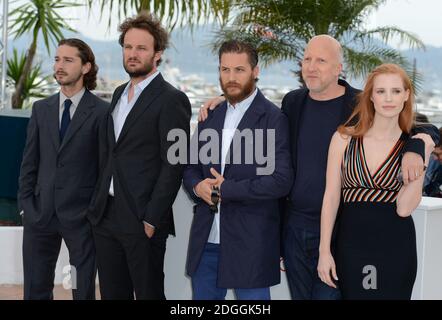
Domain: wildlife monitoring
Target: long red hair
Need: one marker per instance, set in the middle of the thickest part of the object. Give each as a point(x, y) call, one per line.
point(362, 117)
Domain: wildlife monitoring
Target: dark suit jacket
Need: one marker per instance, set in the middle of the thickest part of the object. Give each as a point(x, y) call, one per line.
point(145, 183)
point(249, 220)
point(60, 178)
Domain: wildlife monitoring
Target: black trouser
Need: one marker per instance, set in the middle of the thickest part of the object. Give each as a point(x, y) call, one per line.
point(41, 247)
point(129, 263)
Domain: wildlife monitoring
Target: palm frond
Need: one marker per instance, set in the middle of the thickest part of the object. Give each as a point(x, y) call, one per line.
point(361, 63)
point(173, 12)
point(35, 84)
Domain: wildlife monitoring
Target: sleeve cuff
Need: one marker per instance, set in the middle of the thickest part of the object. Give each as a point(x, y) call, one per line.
point(194, 192)
point(148, 224)
point(416, 146)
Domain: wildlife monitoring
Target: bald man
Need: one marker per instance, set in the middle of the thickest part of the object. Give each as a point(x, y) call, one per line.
point(315, 112)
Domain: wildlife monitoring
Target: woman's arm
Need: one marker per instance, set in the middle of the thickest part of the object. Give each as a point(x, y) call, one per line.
point(330, 205)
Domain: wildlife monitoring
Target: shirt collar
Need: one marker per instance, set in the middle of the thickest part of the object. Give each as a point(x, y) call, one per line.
point(139, 87)
point(245, 104)
point(76, 98)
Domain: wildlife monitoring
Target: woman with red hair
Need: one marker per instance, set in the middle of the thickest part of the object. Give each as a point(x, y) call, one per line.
point(376, 242)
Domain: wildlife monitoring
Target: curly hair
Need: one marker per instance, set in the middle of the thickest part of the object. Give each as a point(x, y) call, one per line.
point(148, 22)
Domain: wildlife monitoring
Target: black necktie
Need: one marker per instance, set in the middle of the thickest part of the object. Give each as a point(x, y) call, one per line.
point(65, 118)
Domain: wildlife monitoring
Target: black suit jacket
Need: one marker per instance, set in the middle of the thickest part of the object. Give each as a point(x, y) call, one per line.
point(145, 183)
point(59, 178)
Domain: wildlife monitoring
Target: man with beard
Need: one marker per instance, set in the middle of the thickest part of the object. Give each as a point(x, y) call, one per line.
point(58, 175)
point(132, 209)
point(236, 244)
point(314, 113)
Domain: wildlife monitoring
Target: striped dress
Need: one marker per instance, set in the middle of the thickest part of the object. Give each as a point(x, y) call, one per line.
point(376, 248)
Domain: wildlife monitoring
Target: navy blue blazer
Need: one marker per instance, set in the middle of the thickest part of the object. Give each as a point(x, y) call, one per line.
point(250, 218)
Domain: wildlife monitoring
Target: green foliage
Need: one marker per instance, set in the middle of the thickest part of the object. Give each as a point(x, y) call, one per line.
point(37, 16)
point(172, 12)
point(35, 85)
point(281, 28)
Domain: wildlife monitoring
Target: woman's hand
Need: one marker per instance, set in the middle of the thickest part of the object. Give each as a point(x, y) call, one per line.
point(327, 267)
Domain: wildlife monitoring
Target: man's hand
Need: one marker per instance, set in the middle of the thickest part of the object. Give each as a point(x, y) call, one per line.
point(412, 167)
point(412, 163)
point(209, 104)
point(219, 179)
point(149, 230)
point(204, 190)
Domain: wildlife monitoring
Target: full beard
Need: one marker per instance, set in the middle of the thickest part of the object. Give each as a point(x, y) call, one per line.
point(140, 72)
point(243, 93)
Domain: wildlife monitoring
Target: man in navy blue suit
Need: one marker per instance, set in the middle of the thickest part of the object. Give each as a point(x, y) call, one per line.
point(235, 243)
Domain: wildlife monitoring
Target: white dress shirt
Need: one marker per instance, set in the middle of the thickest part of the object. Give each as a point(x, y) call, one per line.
point(233, 117)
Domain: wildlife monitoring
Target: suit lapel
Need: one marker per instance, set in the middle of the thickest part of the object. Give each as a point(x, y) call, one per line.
point(110, 124)
point(217, 124)
point(248, 121)
point(145, 99)
point(84, 109)
point(116, 97)
point(52, 114)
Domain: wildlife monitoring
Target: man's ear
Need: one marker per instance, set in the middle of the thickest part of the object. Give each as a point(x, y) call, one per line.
point(157, 57)
point(256, 72)
point(86, 68)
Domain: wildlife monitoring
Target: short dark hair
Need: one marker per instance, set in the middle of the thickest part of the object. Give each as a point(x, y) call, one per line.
point(86, 55)
point(237, 46)
point(148, 22)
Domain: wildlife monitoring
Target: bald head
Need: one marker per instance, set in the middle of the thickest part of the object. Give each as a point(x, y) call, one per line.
point(321, 67)
point(328, 43)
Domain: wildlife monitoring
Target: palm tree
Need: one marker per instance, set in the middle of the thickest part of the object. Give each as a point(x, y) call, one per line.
point(172, 12)
point(281, 28)
point(35, 84)
point(36, 17)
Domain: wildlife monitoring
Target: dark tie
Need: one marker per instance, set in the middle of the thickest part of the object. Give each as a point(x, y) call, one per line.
point(65, 118)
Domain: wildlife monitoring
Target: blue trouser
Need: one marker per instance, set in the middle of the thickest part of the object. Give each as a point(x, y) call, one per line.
point(301, 254)
point(204, 281)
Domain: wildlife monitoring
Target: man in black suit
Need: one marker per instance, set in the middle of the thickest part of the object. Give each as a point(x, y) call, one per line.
point(131, 210)
point(58, 175)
